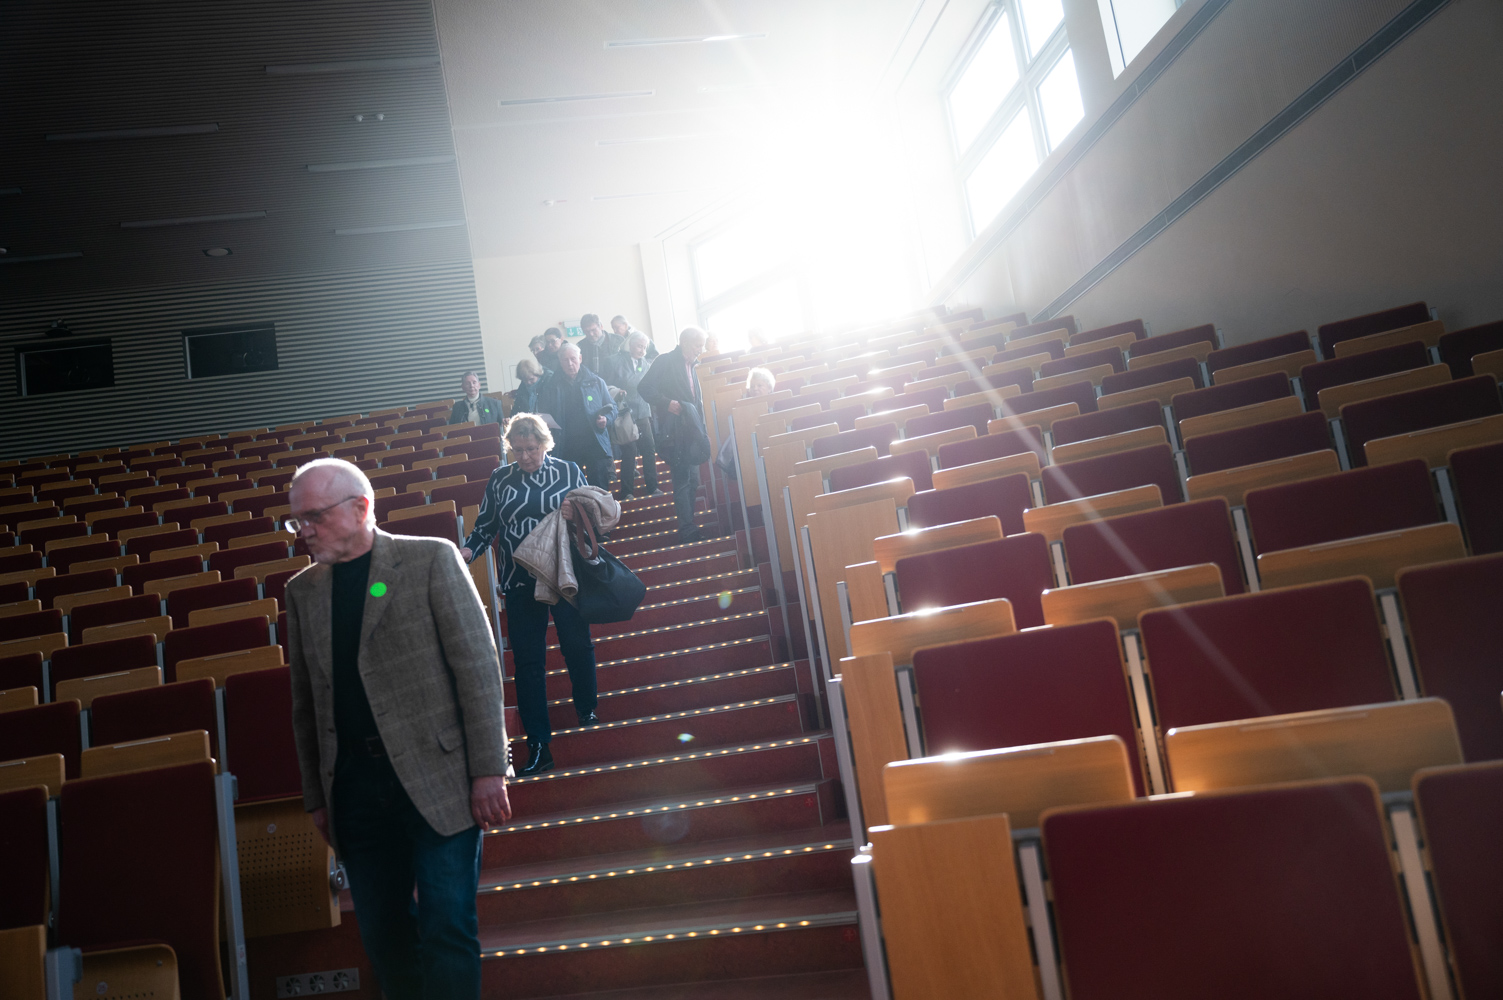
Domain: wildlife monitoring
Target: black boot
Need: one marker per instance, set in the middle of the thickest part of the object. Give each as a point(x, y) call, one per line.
point(587, 718)
point(539, 759)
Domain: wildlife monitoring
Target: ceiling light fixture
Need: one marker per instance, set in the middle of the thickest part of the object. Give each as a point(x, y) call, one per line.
point(217, 252)
point(550, 202)
point(192, 220)
point(659, 138)
point(134, 133)
point(404, 161)
point(351, 66)
point(40, 257)
point(403, 227)
point(635, 43)
point(512, 102)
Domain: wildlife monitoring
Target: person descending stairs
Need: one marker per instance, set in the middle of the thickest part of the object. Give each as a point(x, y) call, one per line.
point(693, 843)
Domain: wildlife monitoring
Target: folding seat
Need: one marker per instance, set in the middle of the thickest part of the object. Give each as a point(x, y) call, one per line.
point(1052, 348)
point(1132, 326)
point(1005, 498)
point(1454, 632)
point(110, 527)
point(91, 659)
point(476, 449)
point(64, 491)
point(1111, 356)
point(1103, 422)
point(228, 561)
point(477, 467)
point(1295, 649)
point(468, 494)
point(1404, 412)
point(1016, 568)
point(1461, 810)
point(221, 534)
point(385, 506)
point(207, 640)
point(156, 711)
point(277, 480)
point(1181, 535)
point(1159, 343)
point(258, 506)
point(1137, 887)
point(1110, 473)
point(29, 625)
point(1262, 442)
point(63, 559)
point(1082, 394)
point(126, 609)
point(996, 381)
point(59, 528)
point(933, 397)
point(24, 560)
point(1230, 395)
point(139, 863)
point(215, 489)
point(50, 728)
point(22, 671)
point(1066, 323)
point(182, 603)
point(25, 868)
point(1152, 374)
point(1331, 334)
point(914, 465)
point(975, 416)
point(188, 513)
point(145, 545)
point(442, 524)
point(1359, 368)
point(1346, 505)
point(996, 445)
point(1478, 477)
point(47, 591)
point(1258, 350)
point(844, 417)
point(136, 577)
point(1458, 347)
point(879, 437)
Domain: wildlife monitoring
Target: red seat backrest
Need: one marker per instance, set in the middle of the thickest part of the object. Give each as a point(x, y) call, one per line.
point(1132, 326)
point(1478, 475)
point(1403, 412)
point(24, 865)
point(1005, 498)
point(1080, 362)
point(879, 437)
point(914, 465)
point(41, 729)
point(28, 625)
point(977, 416)
point(93, 658)
point(155, 711)
point(439, 524)
point(1369, 364)
point(1258, 443)
point(145, 545)
point(988, 446)
point(49, 589)
point(1457, 636)
point(1109, 473)
point(1016, 567)
point(1258, 350)
point(258, 730)
point(1114, 421)
point(126, 609)
point(1342, 505)
point(1168, 371)
point(1458, 347)
point(229, 560)
point(183, 602)
point(1296, 649)
point(206, 640)
point(1205, 333)
point(63, 559)
point(1041, 686)
point(139, 575)
point(222, 533)
point(466, 494)
point(1243, 392)
point(1020, 377)
point(1082, 394)
point(1361, 326)
point(23, 670)
point(1180, 535)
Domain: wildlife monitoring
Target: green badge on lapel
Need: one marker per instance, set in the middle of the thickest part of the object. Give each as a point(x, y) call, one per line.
point(378, 589)
point(589, 399)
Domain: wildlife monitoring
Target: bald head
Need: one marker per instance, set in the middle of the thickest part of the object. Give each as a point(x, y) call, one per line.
point(692, 342)
point(334, 505)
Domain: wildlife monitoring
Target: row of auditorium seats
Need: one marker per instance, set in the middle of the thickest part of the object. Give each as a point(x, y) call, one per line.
point(1253, 572)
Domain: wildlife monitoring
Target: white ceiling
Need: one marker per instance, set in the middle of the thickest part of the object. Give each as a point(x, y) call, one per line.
point(712, 123)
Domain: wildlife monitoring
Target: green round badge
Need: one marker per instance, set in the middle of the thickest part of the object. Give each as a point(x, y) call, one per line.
point(378, 589)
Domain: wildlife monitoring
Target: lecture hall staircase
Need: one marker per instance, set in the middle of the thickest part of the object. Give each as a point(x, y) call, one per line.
point(694, 843)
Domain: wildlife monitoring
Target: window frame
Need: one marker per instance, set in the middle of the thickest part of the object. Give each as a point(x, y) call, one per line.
point(1022, 96)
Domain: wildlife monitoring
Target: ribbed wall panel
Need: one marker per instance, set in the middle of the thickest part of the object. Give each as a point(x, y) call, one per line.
point(346, 342)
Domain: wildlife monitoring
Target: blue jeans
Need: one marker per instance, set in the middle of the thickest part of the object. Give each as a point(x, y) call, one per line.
point(527, 631)
point(422, 949)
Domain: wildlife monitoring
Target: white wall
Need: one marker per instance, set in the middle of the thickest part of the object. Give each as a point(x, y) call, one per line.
point(520, 297)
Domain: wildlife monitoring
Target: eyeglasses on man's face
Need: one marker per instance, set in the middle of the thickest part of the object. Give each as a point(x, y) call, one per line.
point(314, 517)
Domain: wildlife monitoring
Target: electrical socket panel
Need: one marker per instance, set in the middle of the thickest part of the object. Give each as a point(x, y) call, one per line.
point(314, 983)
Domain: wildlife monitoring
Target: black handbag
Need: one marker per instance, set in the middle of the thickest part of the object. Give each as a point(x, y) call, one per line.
point(608, 591)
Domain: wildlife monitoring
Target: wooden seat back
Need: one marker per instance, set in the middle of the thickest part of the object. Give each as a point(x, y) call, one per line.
point(220, 666)
point(1379, 557)
point(86, 689)
point(48, 769)
point(145, 754)
point(1434, 444)
point(1124, 598)
point(1051, 520)
point(1333, 398)
point(900, 635)
point(1233, 484)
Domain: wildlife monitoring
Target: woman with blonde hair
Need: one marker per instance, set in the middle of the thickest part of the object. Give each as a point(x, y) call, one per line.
point(530, 378)
point(759, 382)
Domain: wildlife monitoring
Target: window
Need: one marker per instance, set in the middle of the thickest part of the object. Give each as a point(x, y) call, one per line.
point(1014, 99)
point(1130, 25)
point(735, 256)
point(776, 310)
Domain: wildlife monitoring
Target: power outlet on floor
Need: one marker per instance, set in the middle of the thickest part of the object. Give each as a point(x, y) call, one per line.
point(311, 983)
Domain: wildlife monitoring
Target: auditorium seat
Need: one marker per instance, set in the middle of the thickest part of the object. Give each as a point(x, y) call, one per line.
point(975, 416)
point(1478, 477)
point(385, 506)
point(1132, 326)
point(49, 728)
point(1038, 686)
point(1458, 347)
point(49, 590)
point(1346, 505)
point(1016, 568)
point(1084, 360)
point(206, 640)
point(437, 524)
point(994, 445)
point(1359, 368)
point(1198, 402)
point(181, 603)
point(1179, 535)
point(27, 626)
point(1401, 413)
point(1455, 635)
point(1461, 812)
point(996, 379)
point(914, 465)
point(1262, 442)
point(144, 545)
point(226, 562)
point(1361, 326)
point(21, 671)
point(63, 560)
point(1004, 498)
point(880, 437)
point(157, 711)
point(1082, 394)
point(1258, 350)
point(1271, 653)
point(1103, 422)
point(24, 857)
point(1285, 891)
point(91, 659)
point(1175, 339)
point(139, 576)
point(462, 495)
point(139, 864)
point(1110, 473)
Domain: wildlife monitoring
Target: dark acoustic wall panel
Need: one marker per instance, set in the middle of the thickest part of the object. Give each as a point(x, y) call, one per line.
point(218, 351)
point(65, 366)
point(345, 342)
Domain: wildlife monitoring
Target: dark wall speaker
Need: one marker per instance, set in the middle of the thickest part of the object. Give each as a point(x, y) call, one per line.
point(230, 350)
point(53, 368)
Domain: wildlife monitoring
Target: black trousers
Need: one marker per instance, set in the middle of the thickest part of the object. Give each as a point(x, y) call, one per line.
point(527, 632)
point(647, 447)
point(595, 463)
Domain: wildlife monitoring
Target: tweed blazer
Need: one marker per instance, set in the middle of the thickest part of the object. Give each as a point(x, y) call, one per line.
point(430, 671)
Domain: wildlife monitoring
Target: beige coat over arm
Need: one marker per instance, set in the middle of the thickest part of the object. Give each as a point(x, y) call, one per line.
point(429, 666)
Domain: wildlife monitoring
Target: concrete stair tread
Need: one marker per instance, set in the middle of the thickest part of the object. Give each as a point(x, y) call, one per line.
point(671, 857)
point(727, 917)
point(845, 984)
point(686, 682)
point(647, 807)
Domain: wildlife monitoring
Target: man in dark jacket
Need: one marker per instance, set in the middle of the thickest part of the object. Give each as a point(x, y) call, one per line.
point(667, 386)
point(473, 407)
point(597, 346)
point(580, 403)
point(553, 337)
point(625, 370)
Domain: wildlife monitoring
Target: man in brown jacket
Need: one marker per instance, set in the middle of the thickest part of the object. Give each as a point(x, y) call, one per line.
point(396, 708)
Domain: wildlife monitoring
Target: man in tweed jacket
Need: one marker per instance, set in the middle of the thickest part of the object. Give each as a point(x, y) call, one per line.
point(396, 706)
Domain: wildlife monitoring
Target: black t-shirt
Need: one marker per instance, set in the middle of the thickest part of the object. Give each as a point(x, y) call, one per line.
point(353, 721)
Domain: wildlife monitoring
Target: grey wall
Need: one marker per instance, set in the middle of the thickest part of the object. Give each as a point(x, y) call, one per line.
point(346, 342)
point(1386, 193)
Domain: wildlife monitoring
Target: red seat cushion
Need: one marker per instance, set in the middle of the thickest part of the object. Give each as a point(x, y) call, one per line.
point(989, 446)
point(258, 729)
point(1432, 406)
point(1243, 392)
point(1342, 505)
point(1258, 350)
point(1148, 413)
point(1182, 535)
point(914, 465)
point(1109, 473)
point(24, 865)
point(1205, 333)
point(1478, 475)
point(155, 711)
point(1258, 443)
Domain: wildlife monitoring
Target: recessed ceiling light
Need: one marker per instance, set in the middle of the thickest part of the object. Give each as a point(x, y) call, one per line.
point(511, 102)
point(41, 257)
point(403, 227)
point(217, 252)
point(134, 133)
point(351, 66)
point(193, 220)
point(375, 117)
point(633, 43)
point(403, 161)
point(550, 202)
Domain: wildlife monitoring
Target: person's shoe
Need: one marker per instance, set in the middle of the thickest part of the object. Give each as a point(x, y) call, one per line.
point(539, 759)
point(627, 496)
point(690, 537)
point(588, 719)
point(657, 493)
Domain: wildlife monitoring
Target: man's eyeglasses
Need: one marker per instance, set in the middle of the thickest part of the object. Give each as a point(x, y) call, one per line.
point(314, 517)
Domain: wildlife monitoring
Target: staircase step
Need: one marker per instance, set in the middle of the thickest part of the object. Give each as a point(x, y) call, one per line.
point(691, 692)
point(680, 611)
point(665, 520)
point(723, 812)
point(689, 568)
point(739, 722)
point(789, 933)
point(666, 552)
point(846, 984)
point(701, 586)
point(686, 773)
point(644, 641)
point(756, 865)
point(658, 668)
